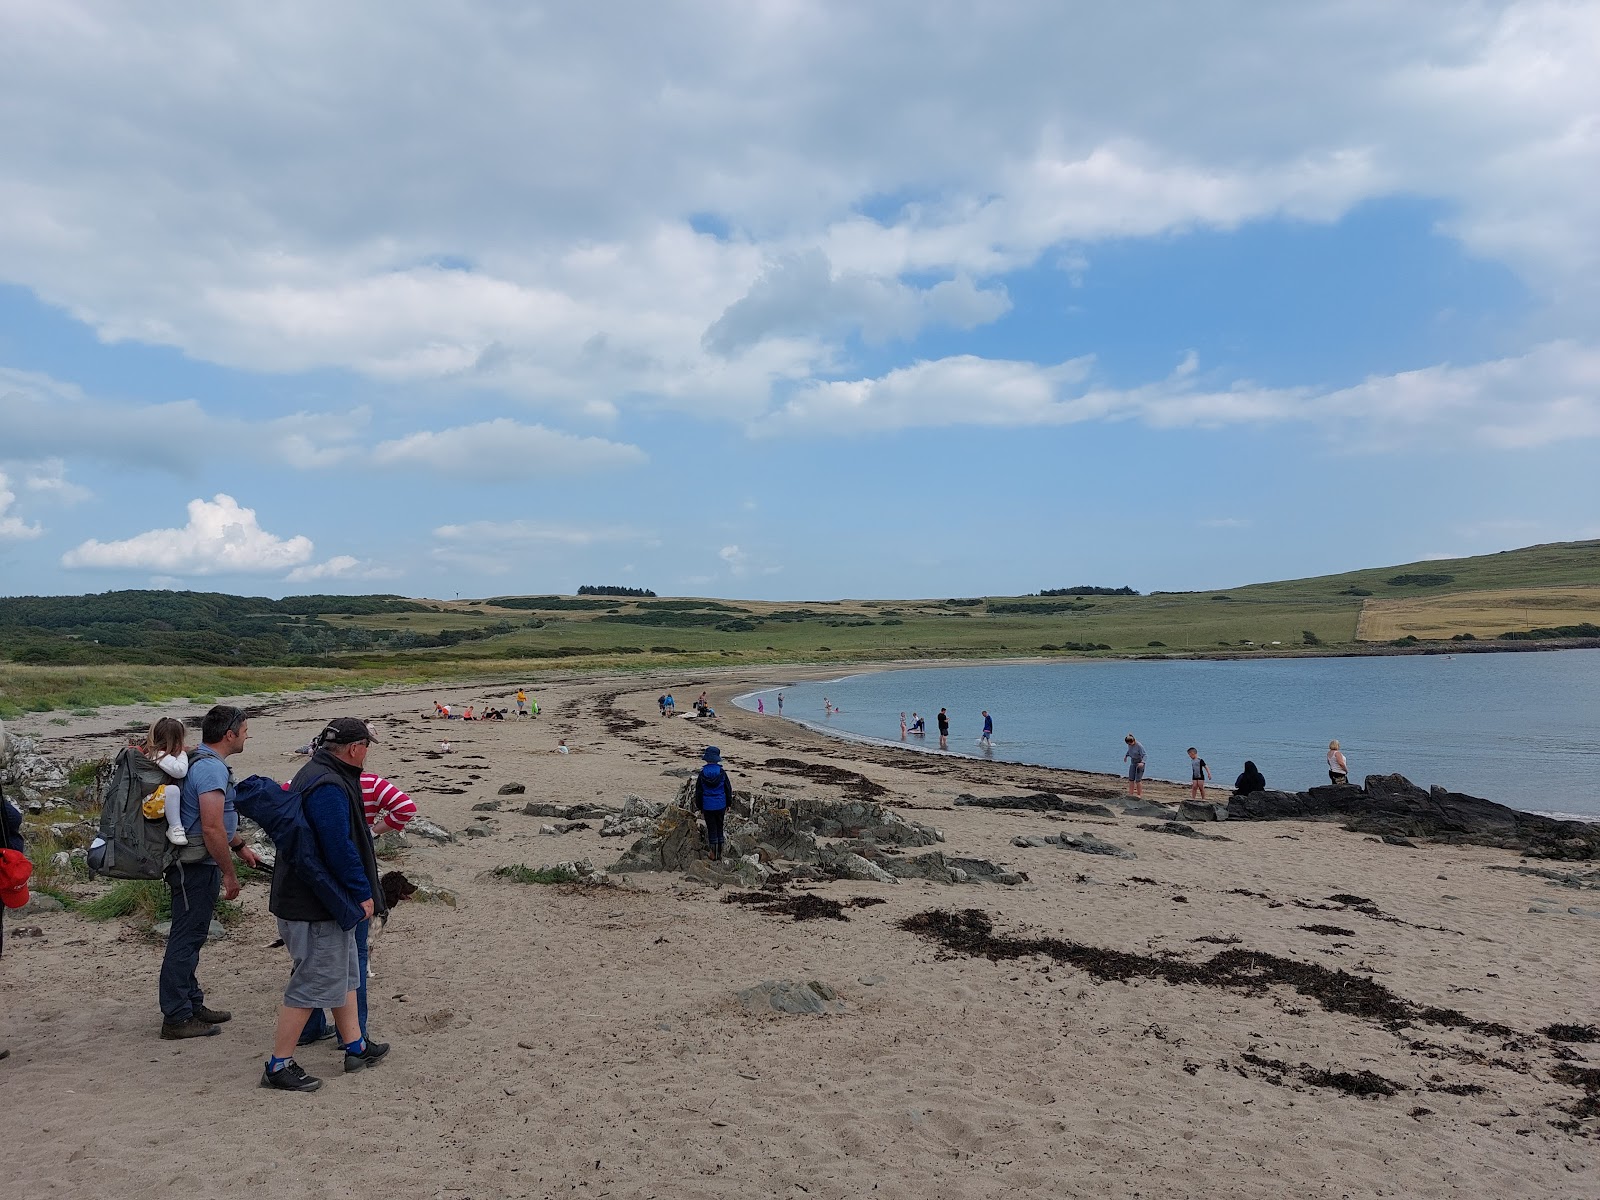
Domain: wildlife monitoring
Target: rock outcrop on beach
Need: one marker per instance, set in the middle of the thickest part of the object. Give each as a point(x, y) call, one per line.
point(801, 838)
point(1037, 802)
point(1393, 805)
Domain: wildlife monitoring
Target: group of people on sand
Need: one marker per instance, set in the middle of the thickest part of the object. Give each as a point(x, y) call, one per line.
point(325, 894)
point(918, 727)
point(1249, 780)
point(525, 708)
point(702, 706)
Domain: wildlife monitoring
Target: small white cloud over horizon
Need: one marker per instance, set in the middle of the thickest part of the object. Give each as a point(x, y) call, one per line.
point(12, 526)
point(221, 538)
point(340, 566)
point(504, 449)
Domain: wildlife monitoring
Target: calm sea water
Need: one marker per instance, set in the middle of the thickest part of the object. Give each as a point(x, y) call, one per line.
point(1523, 729)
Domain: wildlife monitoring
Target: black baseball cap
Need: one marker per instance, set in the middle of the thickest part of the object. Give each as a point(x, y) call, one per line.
point(342, 731)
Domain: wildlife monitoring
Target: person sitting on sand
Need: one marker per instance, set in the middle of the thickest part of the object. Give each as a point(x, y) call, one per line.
point(562, 747)
point(1250, 780)
point(713, 790)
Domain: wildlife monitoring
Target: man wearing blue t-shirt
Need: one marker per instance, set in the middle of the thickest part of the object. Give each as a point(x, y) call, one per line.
point(203, 868)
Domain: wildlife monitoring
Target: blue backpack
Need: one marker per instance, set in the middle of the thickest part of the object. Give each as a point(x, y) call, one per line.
point(282, 814)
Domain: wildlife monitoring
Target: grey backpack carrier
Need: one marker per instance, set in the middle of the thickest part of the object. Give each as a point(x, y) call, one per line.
point(130, 845)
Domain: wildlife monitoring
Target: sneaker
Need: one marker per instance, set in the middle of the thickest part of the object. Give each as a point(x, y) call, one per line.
point(328, 1031)
point(217, 1016)
point(177, 837)
point(194, 1027)
point(370, 1056)
point(291, 1077)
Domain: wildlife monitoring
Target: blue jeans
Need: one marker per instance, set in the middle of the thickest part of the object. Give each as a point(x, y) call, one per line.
point(194, 899)
point(319, 1021)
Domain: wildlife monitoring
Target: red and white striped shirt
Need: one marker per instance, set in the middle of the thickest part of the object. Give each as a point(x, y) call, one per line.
point(380, 798)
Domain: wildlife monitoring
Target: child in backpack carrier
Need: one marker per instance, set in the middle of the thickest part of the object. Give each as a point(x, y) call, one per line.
point(164, 747)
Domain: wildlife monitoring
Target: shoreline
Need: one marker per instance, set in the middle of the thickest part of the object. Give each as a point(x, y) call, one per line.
point(548, 1039)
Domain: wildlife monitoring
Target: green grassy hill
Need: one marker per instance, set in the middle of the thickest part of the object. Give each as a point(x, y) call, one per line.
point(81, 652)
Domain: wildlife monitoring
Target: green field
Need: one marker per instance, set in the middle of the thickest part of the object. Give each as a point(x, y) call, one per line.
point(81, 653)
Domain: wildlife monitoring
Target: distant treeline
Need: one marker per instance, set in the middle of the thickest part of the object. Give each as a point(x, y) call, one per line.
point(1088, 591)
point(590, 589)
point(158, 627)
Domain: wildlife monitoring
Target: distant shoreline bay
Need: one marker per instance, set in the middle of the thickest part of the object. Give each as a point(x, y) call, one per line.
point(1514, 727)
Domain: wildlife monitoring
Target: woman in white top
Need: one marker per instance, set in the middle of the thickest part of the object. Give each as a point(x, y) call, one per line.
point(1338, 771)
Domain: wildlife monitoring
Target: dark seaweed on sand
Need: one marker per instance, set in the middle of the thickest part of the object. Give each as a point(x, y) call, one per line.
point(804, 907)
point(1250, 971)
point(851, 782)
point(1572, 1033)
point(1329, 930)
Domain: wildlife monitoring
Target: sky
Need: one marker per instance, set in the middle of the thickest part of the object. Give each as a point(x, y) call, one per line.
point(791, 300)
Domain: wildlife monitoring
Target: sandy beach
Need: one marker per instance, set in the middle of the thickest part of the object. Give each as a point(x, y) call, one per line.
point(553, 1041)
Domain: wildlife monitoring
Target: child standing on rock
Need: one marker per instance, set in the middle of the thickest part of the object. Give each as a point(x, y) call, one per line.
point(713, 790)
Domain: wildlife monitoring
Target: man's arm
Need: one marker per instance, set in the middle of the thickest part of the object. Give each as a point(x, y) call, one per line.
point(328, 812)
point(216, 840)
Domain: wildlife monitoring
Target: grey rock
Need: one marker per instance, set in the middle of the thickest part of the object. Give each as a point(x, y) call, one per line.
point(1087, 843)
point(486, 806)
point(1394, 839)
point(39, 902)
point(1138, 806)
point(1181, 830)
point(477, 831)
point(215, 934)
point(542, 808)
point(388, 843)
point(870, 980)
point(1036, 802)
point(853, 866)
point(1195, 810)
point(1584, 912)
point(587, 812)
point(423, 828)
point(1392, 804)
point(430, 893)
point(512, 789)
point(787, 996)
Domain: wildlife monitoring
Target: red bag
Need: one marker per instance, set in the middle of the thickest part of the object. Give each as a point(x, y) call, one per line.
point(15, 869)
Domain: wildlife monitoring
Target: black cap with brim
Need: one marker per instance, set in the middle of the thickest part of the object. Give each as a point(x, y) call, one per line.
point(342, 731)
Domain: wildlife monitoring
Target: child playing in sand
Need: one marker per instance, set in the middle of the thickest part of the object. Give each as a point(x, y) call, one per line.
point(164, 747)
point(1198, 774)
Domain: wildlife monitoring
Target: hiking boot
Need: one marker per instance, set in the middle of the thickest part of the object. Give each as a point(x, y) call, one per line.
point(215, 1015)
point(371, 1054)
point(174, 1031)
point(291, 1077)
point(328, 1031)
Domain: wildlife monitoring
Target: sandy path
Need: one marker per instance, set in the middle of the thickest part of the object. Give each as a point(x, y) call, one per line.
point(557, 1043)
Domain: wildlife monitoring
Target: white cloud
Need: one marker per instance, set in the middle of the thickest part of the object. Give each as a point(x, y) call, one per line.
point(341, 567)
point(45, 417)
point(1549, 394)
point(510, 533)
point(504, 450)
point(11, 525)
point(523, 223)
point(49, 478)
point(221, 538)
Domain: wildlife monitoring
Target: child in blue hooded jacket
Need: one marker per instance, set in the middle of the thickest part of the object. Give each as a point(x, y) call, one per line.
point(713, 791)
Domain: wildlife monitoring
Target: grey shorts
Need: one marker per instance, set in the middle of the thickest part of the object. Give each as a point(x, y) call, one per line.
point(1135, 771)
point(326, 968)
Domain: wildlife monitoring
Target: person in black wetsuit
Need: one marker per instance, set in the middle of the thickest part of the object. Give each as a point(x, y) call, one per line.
point(1250, 779)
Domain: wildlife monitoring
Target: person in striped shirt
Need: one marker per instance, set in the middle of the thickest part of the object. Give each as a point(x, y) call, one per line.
point(385, 803)
point(385, 807)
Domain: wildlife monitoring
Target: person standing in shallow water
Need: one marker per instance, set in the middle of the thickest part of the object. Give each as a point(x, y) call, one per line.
point(944, 730)
point(713, 791)
point(1134, 757)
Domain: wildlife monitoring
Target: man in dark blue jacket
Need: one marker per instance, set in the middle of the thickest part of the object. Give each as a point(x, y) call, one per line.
point(326, 965)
